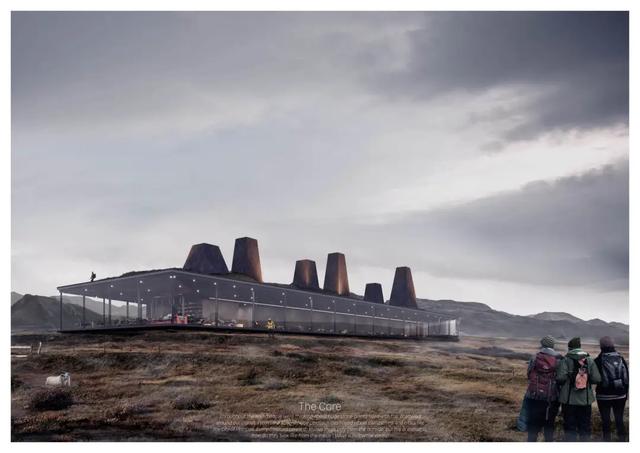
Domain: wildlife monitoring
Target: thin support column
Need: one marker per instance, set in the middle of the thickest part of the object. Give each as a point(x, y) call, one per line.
point(127, 312)
point(84, 319)
point(334, 316)
point(217, 304)
point(104, 311)
point(355, 320)
point(139, 315)
point(253, 308)
point(109, 311)
point(404, 325)
point(173, 308)
point(284, 317)
point(60, 310)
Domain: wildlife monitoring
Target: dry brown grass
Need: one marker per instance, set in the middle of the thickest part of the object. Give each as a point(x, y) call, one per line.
point(205, 386)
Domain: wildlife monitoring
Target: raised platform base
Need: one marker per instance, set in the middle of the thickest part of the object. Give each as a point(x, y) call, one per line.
point(179, 327)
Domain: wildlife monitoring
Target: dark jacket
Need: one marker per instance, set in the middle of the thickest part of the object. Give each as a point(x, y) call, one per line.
point(565, 375)
point(610, 393)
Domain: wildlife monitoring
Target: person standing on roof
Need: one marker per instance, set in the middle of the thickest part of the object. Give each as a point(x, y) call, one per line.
point(542, 391)
point(577, 372)
point(612, 392)
point(93, 276)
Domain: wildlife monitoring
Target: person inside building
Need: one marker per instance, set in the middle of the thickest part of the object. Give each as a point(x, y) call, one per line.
point(576, 373)
point(542, 391)
point(612, 391)
point(271, 327)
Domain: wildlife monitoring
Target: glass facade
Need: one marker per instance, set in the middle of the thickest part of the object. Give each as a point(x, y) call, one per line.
point(177, 297)
point(264, 313)
point(364, 325)
point(298, 320)
point(322, 322)
point(345, 324)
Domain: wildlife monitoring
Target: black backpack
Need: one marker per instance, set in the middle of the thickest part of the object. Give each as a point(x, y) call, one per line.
point(614, 372)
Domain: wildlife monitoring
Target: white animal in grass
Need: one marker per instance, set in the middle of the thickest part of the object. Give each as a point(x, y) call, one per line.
point(63, 380)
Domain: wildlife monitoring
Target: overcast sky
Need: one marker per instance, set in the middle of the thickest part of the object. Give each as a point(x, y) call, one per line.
point(487, 151)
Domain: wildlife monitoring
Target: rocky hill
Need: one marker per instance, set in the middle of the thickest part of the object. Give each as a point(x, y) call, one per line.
point(481, 320)
point(39, 313)
point(96, 306)
point(556, 316)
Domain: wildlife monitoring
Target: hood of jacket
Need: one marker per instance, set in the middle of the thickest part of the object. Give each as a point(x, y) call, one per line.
point(550, 351)
point(577, 354)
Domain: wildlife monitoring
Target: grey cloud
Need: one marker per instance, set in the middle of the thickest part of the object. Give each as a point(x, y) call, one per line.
point(574, 231)
point(140, 67)
point(576, 62)
point(112, 67)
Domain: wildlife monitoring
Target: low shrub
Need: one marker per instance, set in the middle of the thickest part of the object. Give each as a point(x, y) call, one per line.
point(122, 411)
point(353, 371)
point(331, 399)
point(51, 400)
point(384, 361)
point(16, 382)
point(190, 403)
point(275, 384)
point(303, 358)
point(251, 377)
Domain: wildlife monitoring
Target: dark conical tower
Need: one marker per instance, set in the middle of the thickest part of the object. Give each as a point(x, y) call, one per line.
point(403, 294)
point(335, 277)
point(373, 293)
point(246, 259)
point(306, 275)
point(205, 259)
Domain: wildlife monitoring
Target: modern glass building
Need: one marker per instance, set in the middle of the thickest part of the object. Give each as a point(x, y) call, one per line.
point(181, 299)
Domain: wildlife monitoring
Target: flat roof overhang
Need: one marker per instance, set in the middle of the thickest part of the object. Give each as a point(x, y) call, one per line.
point(146, 286)
point(129, 288)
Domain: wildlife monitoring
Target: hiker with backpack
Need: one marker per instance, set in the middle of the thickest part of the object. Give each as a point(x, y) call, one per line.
point(612, 391)
point(542, 391)
point(576, 373)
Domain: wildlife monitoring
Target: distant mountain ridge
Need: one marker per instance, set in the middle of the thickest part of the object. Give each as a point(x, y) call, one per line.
point(117, 311)
point(556, 316)
point(40, 313)
point(481, 320)
point(15, 297)
point(562, 316)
